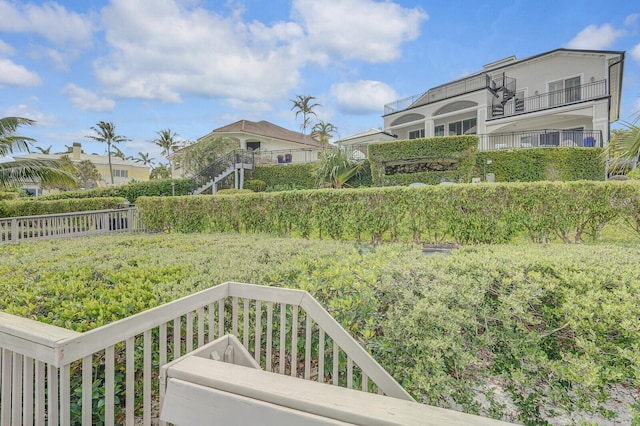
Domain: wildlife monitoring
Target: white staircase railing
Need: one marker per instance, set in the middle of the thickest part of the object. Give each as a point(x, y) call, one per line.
point(110, 374)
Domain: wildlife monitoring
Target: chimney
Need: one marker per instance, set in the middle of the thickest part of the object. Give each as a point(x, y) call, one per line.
point(77, 150)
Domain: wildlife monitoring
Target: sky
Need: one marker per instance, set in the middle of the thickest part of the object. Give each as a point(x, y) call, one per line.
point(195, 65)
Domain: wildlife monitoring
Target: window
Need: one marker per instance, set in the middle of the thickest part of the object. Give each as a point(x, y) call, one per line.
point(550, 139)
point(464, 127)
point(415, 134)
point(253, 146)
point(564, 91)
point(438, 130)
point(121, 173)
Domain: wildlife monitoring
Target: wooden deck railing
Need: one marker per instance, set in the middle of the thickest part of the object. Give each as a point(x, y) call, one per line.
point(64, 225)
point(50, 375)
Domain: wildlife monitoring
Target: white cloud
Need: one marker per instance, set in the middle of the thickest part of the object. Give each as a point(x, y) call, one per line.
point(68, 31)
point(161, 52)
point(631, 20)
point(86, 100)
point(28, 111)
point(12, 74)
point(363, 97)
point(178, 47)
point(366, 30)
point(49, 20)
point(595, 37)
point(6, 49)
point(635, 52)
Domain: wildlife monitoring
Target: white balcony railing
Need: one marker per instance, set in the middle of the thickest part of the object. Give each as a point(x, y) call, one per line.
point(50, 375)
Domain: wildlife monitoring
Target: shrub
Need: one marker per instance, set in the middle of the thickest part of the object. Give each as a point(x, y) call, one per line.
point(233, 191)
point(255, 185)
point(462, 213)
point(37, 206)
point(301, 175)
point(8, 195)
point(131, 191)
point(423, 160)
point(538, 164)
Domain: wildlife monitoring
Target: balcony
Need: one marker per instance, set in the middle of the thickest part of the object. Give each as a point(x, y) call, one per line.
point(543, 101)
point(548, 138)
point(446, 91)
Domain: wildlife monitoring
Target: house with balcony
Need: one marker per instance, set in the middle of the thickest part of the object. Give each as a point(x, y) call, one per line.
point(564, 97)
point(269, 143)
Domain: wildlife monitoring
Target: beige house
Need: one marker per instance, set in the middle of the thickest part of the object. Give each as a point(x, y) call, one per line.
point(356, 145)
point(271, 144)
point(124, 171)
point(564, 97)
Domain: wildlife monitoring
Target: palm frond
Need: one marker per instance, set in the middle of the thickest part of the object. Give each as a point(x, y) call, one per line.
point(45, 172)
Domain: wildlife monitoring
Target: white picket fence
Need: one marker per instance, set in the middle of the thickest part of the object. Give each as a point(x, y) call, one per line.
point(110, 375)
point(64, 225)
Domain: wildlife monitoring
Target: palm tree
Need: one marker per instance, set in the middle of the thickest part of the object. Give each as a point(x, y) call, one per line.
point(624, 145)
point(303, 105)
point(144, 158)
point(27, 171)
point(324, 131)
point(106, 133)
point(166, 141)
point(46, 151)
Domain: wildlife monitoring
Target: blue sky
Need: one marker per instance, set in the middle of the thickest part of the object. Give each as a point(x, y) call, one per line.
point(193, 66)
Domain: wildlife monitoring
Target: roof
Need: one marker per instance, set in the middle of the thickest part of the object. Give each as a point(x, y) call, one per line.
point(94, 158)
point(512, 60)
point(265, 129)
point(370, 132)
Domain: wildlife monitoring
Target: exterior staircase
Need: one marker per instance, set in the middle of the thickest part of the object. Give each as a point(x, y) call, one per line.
point(236, 161)
point(504, 89)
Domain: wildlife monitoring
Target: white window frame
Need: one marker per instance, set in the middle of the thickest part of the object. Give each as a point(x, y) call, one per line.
point(416, 134)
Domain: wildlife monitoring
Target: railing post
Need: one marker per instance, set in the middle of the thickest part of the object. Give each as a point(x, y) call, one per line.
point(14, 229)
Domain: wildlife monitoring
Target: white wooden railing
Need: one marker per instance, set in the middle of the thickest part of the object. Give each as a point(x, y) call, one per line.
point(110, 374)
point(64, 225)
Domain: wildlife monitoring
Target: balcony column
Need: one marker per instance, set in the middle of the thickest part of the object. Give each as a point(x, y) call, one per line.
point(481, 120)
point(428, 128)
point(243, 143)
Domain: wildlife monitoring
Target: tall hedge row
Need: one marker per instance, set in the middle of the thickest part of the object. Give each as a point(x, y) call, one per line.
point(462, 149)
point(131, 191)
point(38, 206)
point(300, 175)
point(464, 213)
point(537, 164)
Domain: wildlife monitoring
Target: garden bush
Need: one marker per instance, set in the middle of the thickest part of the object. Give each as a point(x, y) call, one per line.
point(255, 185)
point(551, 327)
point(462, 213)
point(37, 206)
point(424, 160)
point(131, 191)
point(300, 175)
point(538, 164)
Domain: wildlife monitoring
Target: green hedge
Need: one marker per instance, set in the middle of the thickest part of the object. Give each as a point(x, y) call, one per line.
point(131, 191)
point(462, 213)
point(38, 206)
point(461, 149)
point(301, 175)
point(537, 164)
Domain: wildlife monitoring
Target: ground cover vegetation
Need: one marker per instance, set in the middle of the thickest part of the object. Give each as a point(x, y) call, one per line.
point(546, 325)
point(461, 214)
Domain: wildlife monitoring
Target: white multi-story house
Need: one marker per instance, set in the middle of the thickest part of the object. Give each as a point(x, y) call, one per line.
point(564, 97)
